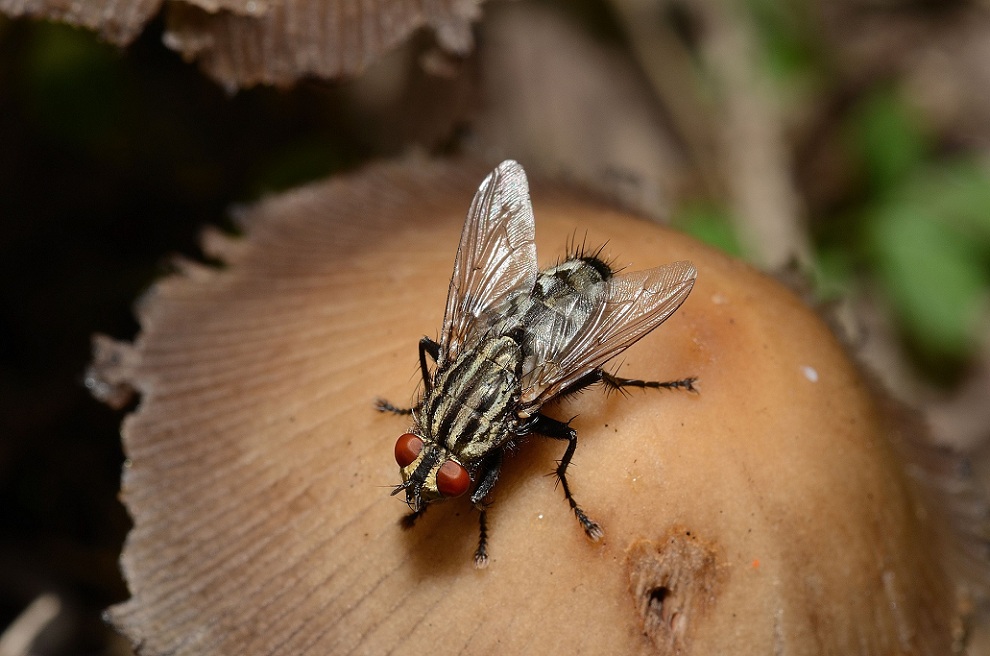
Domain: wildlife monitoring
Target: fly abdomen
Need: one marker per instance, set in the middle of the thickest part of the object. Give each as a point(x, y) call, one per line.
point(472, 401)
point(564, 297)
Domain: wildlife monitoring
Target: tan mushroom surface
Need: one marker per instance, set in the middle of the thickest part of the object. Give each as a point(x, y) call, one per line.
point(765, 514)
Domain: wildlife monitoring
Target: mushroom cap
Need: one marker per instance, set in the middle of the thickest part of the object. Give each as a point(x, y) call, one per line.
point(242, 43)
point(768, 513)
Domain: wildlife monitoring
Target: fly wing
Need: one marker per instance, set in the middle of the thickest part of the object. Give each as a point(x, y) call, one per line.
point(632, 305)
point(496, 258)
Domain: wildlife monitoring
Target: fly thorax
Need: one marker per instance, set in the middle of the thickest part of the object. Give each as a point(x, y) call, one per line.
point(468, 408)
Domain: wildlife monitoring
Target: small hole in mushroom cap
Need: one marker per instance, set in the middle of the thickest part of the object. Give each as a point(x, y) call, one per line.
point(657, 597)
point(675, 581)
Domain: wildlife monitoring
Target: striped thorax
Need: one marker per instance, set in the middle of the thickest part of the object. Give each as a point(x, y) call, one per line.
point(467, 412)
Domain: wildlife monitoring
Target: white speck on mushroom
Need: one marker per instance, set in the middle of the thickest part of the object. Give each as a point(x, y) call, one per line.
point(810, 373)
point(719, 299)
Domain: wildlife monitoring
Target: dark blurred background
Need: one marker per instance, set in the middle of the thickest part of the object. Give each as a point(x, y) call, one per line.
point(872, 140)
point(110, 161)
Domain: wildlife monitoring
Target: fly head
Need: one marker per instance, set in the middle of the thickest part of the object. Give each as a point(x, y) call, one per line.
point(429, 473)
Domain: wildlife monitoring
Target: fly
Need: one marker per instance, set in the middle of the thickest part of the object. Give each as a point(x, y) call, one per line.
point(513, 339)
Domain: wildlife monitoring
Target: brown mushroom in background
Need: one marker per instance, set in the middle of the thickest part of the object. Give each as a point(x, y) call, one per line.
point(241, 43)
point(768, 514)
point(262, 42)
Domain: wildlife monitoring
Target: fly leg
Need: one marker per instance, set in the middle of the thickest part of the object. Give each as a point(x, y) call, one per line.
point(616, 383)
point(407, 521)
point(491, 469)
point(426, 345)
point(558, 430)
point(381, 405)
point(481, 553)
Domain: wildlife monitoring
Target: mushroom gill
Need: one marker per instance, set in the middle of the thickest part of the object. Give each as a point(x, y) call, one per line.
point(767, 514)
point(242, 43)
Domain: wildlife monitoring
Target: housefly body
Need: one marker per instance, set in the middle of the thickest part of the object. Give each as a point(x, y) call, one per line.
point(513, 339)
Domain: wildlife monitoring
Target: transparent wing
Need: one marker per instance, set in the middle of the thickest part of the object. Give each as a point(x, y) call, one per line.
point(496, 258)
point(633, 305)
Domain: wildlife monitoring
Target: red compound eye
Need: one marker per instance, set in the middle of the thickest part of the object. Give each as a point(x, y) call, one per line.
point(407, 449)
point(452, 479)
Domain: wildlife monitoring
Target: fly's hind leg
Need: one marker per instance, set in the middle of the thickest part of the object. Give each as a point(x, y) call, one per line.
point(558, 430)
point(617, 383)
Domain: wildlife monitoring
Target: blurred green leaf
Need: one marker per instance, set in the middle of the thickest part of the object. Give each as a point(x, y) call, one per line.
point(959, 194)
point(888, 138)
point(925, 228)
point(935, 274)
point(73, 84)
point(833, 273)
point(297, 163)
point(709, 224)
point(788, 42)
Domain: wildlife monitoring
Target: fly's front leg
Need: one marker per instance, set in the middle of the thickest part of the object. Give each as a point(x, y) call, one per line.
point(490, 468)
point(407, 521)
point(426, 345)
point(558, 430)
point(481, 553)
point(381, 405)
